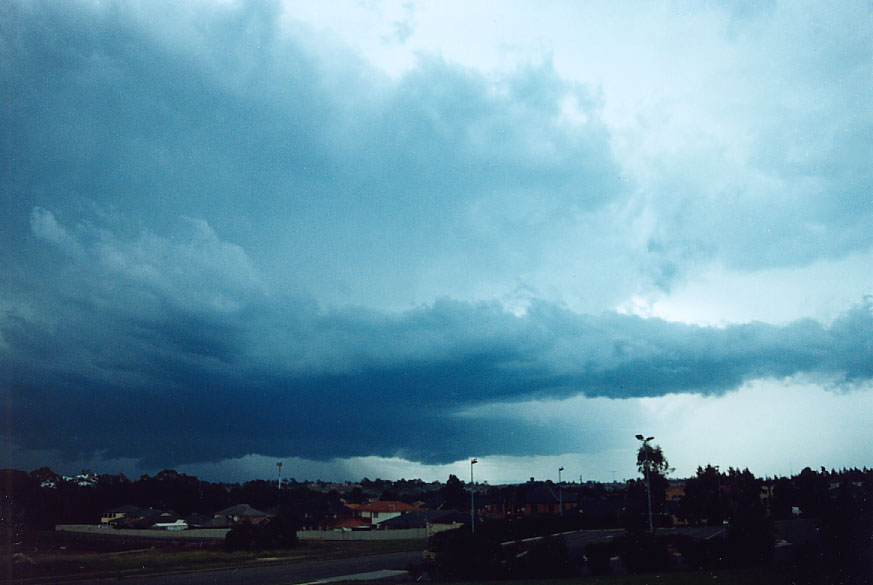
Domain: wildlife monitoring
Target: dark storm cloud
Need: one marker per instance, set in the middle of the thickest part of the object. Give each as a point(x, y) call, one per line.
point(164, 370)
point(202, 209)
point(319, 166)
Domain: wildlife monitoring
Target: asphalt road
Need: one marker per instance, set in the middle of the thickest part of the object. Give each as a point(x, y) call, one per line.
point(278, 574)
point(576, 541)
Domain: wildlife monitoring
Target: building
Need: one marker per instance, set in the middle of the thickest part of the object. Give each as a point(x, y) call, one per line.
point(375, 513)
point(242, 513)
point(128, 510)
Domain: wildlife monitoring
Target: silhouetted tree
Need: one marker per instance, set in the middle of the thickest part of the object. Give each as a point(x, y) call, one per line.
point(703, 500)
point(750, 538)
point(356, 496)
point(258, 493)
point(845, 522)
point(784, 495)
point(389, 495)
point(812, 491)
point(453, 494)
point(651, 458)
point(275, 533)
point(18, 491)
point(652, 464)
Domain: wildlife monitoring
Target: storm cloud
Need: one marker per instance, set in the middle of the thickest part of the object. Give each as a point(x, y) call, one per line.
point(170, 349)
point(227, 232)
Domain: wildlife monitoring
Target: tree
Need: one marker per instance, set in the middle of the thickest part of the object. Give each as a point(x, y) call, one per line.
point(654, 467)
point(703, 501)
point(356, 496)
point(389, 495)
point(453, 494)
point(811, 492)
point(651, 458)
point(276, 533)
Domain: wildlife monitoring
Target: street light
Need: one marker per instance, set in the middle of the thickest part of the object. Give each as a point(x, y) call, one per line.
point(560, 493)
point(279, 466)
point(472, 498)
point(648, 482)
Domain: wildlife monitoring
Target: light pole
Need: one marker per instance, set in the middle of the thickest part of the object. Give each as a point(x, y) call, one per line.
point(472, 498)
point(279, 466)
point(648, 482)
point(560, 493)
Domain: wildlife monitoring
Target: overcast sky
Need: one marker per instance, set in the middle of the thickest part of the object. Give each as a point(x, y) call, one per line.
point(380, 238)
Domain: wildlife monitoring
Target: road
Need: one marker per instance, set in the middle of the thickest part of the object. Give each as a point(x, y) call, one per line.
point(576, 541)
point(278, 574)
point(288, 573)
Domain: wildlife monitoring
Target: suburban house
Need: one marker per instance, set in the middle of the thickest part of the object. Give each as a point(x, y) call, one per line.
point(321, 514)
point(202, 521)
point(171, 526)
point(675, 492)
point(531, 499)
point(242, 513)
point(136, 517)
point(120, 512)
point(548, 500)
point(375, 513)
point(433, 520)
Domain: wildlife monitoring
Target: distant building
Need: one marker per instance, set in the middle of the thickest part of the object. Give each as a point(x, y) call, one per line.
point(531, 499)
point(171, 526)
point(675, 492)
point(242, 513)
point(203, 521)
point(136, 517)
point(546, 500)
point(377, 512)
point(114, 514)
point(434, 520)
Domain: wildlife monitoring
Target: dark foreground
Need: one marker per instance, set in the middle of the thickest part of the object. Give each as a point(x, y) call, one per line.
point(319, 561)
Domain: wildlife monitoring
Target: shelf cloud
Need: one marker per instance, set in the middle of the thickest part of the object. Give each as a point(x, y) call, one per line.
point(235, 229)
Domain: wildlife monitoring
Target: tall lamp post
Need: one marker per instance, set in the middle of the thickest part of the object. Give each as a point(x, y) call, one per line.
point(648, 482)
point(472, 498)
point(279, 466)
point(560, 493)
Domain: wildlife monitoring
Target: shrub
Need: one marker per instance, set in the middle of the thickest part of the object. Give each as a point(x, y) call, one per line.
point(644, 553)
point(750, 541)
point(702, 554)
point(240, 537)
point(279, 532)
point(545, 558)
point(458, 554)
point(598, 557)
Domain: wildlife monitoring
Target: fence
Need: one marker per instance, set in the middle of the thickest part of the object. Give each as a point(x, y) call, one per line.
point(401, 534)
point(196, 533)
point(219, 533)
